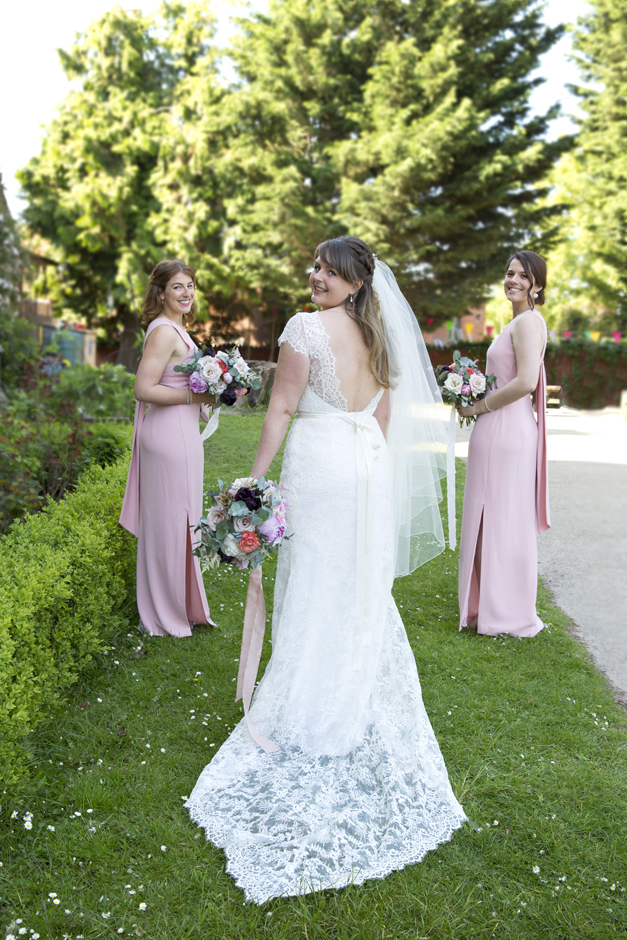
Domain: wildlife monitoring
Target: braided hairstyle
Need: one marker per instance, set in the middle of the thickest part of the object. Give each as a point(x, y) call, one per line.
point(354, 261)
point(535, 269)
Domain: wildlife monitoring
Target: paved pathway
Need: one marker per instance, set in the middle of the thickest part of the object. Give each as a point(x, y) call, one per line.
point(583, 556)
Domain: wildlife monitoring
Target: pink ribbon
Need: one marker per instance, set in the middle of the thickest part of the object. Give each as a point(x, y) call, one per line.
point(543, 517)
point(252, 642)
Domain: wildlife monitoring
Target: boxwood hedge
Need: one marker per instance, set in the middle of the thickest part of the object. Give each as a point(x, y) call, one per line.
point(66, 587)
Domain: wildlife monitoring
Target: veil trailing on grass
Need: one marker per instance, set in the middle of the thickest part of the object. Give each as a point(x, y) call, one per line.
point(416, 436)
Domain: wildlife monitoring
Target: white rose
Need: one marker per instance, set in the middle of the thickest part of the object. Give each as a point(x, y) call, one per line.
point(454, 383)
point(220, 386)
point(477, 384)
point(243, 523)
point(241, 483)
point(241, 366)
point(209, 369)
point(231, 547)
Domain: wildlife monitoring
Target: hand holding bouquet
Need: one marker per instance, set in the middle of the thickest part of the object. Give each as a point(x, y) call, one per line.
point(463, 383)
point(224, 373)
point(245, 523)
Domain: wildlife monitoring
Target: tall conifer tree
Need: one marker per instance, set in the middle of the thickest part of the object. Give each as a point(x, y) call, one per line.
point(405, 123)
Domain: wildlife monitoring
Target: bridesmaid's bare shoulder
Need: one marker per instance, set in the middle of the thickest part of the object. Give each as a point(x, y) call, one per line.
point(529, 323)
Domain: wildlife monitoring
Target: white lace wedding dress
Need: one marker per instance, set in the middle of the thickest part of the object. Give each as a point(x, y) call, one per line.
point(359, 787)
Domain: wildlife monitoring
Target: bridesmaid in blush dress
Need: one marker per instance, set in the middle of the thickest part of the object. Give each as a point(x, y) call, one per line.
point(506, 495)
point(165, 482)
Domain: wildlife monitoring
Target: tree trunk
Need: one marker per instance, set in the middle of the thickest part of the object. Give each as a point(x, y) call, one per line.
point(130, 345)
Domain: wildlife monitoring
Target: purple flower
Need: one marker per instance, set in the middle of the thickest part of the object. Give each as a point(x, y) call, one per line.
point(228, 396)
point(466, 390)
point(247, 496)
point(197, 383)
point(273, 529)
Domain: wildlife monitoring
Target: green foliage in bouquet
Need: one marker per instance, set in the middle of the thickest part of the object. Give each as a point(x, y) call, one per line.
point(66, 587)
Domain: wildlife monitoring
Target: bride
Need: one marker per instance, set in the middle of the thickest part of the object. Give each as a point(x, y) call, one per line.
point(358, 787)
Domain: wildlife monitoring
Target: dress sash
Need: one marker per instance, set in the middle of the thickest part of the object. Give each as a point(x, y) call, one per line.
point(369, 443)
point(543, 517)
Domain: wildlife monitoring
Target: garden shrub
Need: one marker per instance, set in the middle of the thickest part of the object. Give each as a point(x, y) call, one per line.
point(46, 441)
point(18, 344)
point(67, 580)
point(101, 393)
point(107, 442)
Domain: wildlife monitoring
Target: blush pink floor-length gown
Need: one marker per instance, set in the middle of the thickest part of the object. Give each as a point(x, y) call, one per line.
point(507, 490)
point(163, 499)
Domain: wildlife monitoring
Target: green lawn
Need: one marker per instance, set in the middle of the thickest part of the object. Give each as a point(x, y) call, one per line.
point(534, 743)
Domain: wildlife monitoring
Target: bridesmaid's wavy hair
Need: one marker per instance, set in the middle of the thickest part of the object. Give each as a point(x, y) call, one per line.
point(535, 269)
point(354, 261)
point(152, 305)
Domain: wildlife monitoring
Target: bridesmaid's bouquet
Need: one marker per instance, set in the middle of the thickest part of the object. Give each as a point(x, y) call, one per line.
point(245, 523)
point(224, 373)
point(463, 382)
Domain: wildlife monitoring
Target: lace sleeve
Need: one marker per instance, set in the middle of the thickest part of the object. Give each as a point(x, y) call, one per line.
point(294, 334)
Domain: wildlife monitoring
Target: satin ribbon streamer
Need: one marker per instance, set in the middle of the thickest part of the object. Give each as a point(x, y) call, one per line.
point(252, 642)
point(450, 480)
point(211, 426)
point(366, 429)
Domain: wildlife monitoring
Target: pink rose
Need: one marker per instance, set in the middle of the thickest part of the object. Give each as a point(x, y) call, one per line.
point(227, 377)
point(249, 542)
point(243, 523)
point(466, 390)
point(197, 383)
point(273, 529)
point(215, 516)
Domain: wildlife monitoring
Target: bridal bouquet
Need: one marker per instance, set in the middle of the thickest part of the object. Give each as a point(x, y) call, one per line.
point(463, 382)
point(244, 524)
point(225, 374)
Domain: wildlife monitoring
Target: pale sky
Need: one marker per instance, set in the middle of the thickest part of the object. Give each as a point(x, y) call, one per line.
point(32, 82)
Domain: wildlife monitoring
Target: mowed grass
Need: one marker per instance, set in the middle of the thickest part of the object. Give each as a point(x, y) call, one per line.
point(533, 740)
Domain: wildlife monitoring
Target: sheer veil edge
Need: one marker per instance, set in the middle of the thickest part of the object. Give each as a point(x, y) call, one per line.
point(417, 435)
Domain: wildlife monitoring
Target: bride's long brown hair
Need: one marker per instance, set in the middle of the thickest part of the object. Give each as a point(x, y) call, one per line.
point(152, 305)
point(354, 261)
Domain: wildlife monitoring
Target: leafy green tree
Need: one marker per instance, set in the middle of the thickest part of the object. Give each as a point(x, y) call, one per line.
point(405, 123)
point(189, 183)
point(16, 337)
point(601, 184)
point(581, 280)
point(90, 191)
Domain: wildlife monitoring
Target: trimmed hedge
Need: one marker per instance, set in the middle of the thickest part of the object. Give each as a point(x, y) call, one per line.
point(66, 576)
